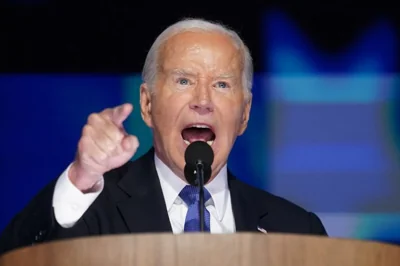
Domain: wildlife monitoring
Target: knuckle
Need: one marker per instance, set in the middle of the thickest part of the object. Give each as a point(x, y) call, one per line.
point(118, 135)
point(93, 118)
point(101, 156)
point(84, 144)
point(106, 113)
point(86, 130)
point(105, 143)
point(113, 132)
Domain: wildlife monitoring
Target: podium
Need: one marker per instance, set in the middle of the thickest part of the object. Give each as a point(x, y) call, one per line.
point(206, 250)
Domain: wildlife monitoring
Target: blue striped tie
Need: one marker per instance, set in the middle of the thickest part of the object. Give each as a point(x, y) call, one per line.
point(190, 195)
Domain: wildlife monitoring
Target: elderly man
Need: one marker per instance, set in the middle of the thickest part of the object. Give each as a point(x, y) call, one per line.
point(197, 82)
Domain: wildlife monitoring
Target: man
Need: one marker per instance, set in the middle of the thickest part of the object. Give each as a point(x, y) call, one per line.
point(197, 82)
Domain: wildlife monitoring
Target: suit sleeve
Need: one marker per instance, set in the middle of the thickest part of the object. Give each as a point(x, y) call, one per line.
point(69, 203)
point(316, 226)
point(36, 223)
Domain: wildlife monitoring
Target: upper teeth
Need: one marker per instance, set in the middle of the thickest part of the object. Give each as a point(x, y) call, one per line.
point(210, 142)
point(201, 126)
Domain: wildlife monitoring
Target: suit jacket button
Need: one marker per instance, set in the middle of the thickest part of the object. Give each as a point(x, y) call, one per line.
point(39, 236)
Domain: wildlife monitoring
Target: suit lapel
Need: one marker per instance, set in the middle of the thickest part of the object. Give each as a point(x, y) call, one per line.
point(144, 210)
point(247, 210)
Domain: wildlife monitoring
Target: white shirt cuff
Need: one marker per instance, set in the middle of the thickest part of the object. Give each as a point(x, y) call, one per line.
point(69, 202)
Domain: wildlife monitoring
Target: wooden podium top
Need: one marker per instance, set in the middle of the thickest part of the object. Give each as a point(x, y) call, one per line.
point(206, 250)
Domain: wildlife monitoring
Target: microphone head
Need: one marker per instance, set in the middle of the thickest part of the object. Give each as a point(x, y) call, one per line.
point(199, 151)
point(191, 176)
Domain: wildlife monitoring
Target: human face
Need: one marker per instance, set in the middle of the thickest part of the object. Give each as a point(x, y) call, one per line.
point(199, 83)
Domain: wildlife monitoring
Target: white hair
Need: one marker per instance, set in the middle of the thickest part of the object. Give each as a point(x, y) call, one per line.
point(151, 64)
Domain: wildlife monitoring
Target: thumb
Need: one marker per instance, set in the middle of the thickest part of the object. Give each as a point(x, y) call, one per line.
point(121, 112)
point(130, 144)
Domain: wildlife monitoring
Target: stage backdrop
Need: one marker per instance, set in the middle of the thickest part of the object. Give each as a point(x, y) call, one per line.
point(323, 132)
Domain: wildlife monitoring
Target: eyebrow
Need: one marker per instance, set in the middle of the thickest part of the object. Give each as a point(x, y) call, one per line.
point(181, 72)
point(184, 72)
point(226, 76)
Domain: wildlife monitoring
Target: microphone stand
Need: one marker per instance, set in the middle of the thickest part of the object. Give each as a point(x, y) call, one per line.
point(200, 179)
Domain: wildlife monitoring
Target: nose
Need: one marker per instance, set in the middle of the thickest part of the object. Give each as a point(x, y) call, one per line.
point(202, 103)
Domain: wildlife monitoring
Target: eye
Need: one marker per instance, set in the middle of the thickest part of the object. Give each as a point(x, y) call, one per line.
point(183, 81)
point(222, 85)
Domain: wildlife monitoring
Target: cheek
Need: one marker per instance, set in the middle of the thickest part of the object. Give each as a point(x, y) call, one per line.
point(232, 117)
point(166, 115)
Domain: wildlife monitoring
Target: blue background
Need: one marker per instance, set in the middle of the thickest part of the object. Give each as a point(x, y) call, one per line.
point(323, 132)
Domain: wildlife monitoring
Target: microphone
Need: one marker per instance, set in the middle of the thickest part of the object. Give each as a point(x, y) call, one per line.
point(199, 157)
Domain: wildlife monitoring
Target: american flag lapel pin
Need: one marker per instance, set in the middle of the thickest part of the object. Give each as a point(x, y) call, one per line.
point(262, 230)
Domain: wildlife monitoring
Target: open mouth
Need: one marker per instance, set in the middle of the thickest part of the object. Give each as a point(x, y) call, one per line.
point(198, 132)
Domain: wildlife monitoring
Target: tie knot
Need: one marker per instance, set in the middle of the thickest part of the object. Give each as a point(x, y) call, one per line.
point(190, 195)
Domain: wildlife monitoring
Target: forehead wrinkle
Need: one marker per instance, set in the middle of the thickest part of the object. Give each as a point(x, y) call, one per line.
point(170, 50)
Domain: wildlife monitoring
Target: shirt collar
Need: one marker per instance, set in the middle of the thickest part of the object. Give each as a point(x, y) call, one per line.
point(172, 185)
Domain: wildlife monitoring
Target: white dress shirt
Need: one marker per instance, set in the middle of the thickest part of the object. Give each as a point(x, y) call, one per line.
point(70, 203)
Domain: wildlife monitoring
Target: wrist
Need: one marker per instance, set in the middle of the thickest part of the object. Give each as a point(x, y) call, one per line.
point(84, 181)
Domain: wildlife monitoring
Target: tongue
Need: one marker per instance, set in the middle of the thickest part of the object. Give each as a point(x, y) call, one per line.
point(197, 134)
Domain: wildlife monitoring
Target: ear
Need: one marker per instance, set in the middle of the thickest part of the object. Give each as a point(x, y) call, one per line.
point(245, 116)
point(145, 104)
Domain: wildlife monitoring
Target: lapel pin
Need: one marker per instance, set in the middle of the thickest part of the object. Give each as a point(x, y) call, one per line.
point(262, 230)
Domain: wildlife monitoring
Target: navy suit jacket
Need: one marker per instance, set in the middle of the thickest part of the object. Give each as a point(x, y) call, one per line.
point(132, 202)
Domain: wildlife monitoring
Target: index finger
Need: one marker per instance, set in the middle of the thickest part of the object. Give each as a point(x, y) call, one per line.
point(119, 113)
